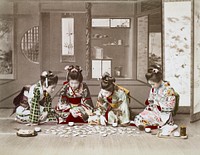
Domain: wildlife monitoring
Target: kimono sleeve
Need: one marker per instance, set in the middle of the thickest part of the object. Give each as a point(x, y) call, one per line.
point(86, 97)
point(151, 97)
point(167, 100)
point(124, 99)
point(35, 107)
point(100, 98)
point(48, 103)
point(101, 103)
point(36, 96)
point(62, 96)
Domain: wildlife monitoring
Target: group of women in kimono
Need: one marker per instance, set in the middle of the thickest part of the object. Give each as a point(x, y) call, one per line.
point(112, 105)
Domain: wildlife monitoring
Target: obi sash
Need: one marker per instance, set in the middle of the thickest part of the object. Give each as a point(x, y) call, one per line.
point(115, 105)
point(72, 100)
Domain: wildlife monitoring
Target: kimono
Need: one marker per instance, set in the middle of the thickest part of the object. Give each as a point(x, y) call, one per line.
point(73, 101)
point(160, 105)
point(38, 103)
point(114, 108)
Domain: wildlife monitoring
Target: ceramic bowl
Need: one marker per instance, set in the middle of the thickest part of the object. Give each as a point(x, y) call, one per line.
point(148, 130)
point(71, 123)
point(114, 124)
point(37, 129)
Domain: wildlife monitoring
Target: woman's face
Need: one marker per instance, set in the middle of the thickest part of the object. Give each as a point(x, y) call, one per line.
point(50, 89)
point(155, 84)
point(74, 84)
point(105, 93)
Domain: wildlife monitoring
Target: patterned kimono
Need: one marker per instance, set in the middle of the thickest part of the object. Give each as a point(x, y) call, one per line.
point(114, 108)
point(161, 103)
point(38, 103)
point(70, 101)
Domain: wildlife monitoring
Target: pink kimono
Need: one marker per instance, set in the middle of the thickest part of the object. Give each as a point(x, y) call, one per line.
point(161, 103)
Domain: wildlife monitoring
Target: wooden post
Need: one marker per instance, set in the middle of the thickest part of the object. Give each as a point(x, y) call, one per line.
point(88, 65)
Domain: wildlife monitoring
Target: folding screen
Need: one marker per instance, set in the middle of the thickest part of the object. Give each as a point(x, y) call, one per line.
point(177, 48)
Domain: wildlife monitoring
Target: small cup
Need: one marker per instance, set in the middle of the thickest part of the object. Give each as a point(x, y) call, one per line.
point(147, 130)
point(114, 124)
point(37, 129)
point(71, 123)
point(183, 131)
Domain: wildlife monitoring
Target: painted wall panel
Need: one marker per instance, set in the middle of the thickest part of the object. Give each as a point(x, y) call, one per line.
point(177, 48)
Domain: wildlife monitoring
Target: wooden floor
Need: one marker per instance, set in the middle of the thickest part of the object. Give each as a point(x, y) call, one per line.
point(141, 144)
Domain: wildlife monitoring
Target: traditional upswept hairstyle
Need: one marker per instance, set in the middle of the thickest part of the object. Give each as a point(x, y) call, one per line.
point(154, 73)
point(48, 78)
point(74, 73)
point(107, 82)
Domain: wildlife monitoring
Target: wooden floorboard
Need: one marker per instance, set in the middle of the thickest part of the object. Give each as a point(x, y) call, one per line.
point(140, 144)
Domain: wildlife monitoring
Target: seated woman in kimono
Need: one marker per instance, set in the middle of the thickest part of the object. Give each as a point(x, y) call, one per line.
point(34, 106)
point(160, 104)
point(112, 104)
point(74, 102)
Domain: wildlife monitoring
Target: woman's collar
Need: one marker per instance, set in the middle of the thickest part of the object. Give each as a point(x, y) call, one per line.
point(161, 84)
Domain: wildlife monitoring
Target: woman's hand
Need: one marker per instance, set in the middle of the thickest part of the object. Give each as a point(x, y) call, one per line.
point(75, 113)
point(62, 106)
point(99, 104)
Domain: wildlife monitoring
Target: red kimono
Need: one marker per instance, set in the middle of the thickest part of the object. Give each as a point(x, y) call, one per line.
point(73, 104)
